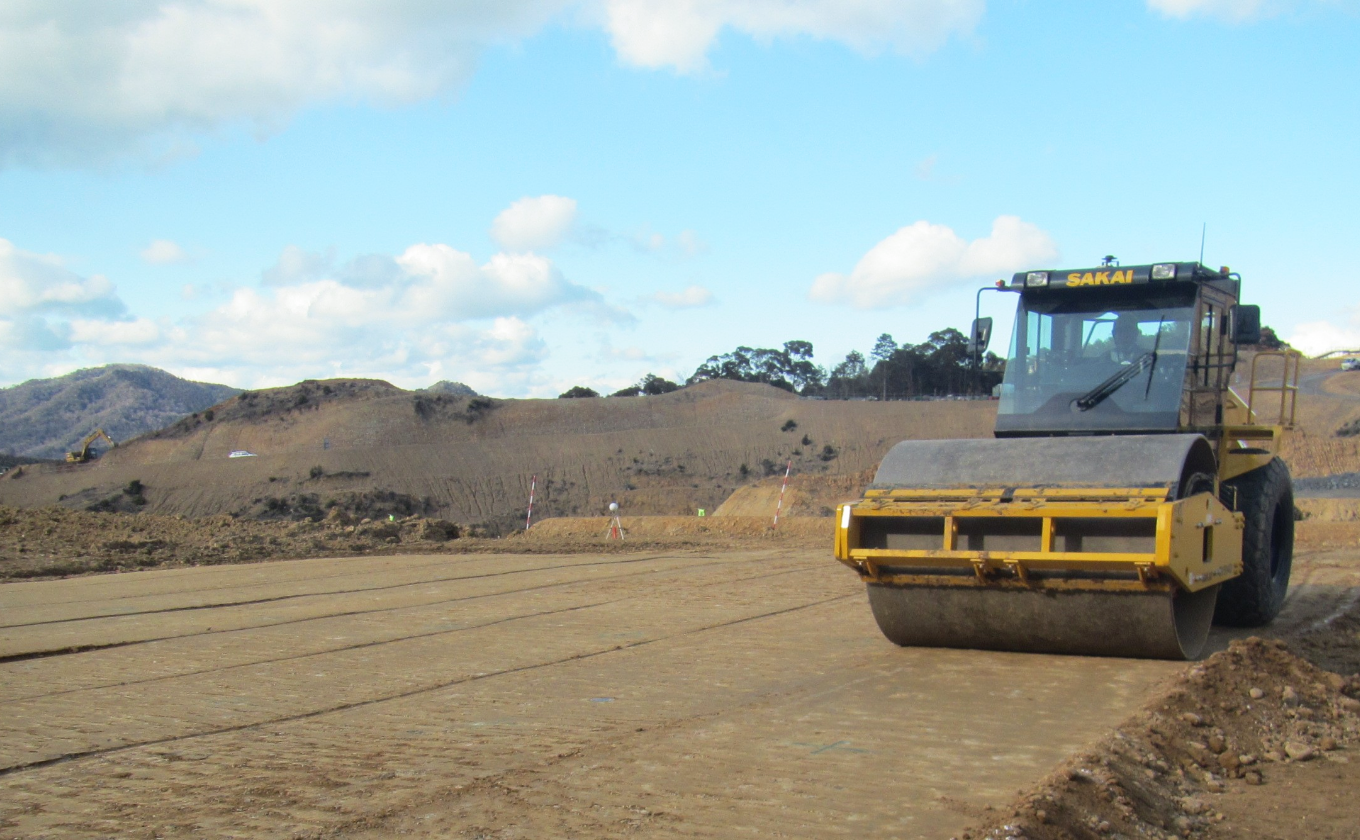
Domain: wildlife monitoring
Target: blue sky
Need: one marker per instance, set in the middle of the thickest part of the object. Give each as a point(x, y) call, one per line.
point(526, 195)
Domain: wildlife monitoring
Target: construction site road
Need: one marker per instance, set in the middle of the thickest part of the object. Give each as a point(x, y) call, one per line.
point(682, 694)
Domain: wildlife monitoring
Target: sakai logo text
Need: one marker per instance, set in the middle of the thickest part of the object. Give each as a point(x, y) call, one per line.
point(1100, 278)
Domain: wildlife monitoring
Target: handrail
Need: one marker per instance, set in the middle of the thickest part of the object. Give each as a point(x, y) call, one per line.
point(1288, 388)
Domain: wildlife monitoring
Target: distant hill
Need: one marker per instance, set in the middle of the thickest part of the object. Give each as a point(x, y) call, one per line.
point(452, 389)
point(370, 448)
point(45, 418)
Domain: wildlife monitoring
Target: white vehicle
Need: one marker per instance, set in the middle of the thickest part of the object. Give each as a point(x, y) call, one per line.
point(241, 453)
point(1350, 364)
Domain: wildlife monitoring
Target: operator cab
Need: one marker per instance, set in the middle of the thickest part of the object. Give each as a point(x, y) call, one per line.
point(1143, 349)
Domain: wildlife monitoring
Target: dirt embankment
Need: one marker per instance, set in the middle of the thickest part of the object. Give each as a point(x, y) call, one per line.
point(58, 542)
point(1194, 761)
point(1327, 403)
point(471, 459)
point(318, 445)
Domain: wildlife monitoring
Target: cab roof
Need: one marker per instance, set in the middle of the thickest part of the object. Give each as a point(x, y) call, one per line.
point(1118, 275)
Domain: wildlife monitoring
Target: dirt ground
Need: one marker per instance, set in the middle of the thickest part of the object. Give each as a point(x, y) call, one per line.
point(57, 542)
point(324, 641)
point(38, 543)
point(691, 690)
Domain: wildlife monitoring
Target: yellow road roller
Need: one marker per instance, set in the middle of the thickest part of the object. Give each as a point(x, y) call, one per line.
point(1129, 497)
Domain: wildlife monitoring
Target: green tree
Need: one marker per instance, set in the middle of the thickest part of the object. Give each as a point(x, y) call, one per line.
point(791, 368)
point(884, 350)
point(653, 385)
point(850, 378)
point(577, 391)
point(650, 385)
point(1271, 341)
point(942, 364)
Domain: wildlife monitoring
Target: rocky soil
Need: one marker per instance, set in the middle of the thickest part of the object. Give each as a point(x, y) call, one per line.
point(1192, 763)
point(58, 542)
point(1347, 484)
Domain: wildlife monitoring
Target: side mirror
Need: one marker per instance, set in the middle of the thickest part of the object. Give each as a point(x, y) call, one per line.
point(982, 334)
point(1246, 324)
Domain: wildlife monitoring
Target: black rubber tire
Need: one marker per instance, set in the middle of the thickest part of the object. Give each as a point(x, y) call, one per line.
point(1265, 496)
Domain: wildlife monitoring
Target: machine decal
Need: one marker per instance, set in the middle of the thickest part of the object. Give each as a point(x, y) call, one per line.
point(1100, 278)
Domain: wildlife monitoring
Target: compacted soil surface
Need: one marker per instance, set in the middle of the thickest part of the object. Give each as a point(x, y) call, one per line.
point(643, 688)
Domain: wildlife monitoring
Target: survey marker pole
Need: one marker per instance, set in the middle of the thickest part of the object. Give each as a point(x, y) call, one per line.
point(780, 506)
point(533, 482)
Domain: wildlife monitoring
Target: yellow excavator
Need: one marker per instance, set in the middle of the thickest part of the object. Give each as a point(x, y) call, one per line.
point(84, 454)
point(1129, 497)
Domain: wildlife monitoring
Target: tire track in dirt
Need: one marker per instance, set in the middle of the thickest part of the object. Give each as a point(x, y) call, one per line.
point(326, 593)
point(343, 707)
point(361, 645)
point(443, 559)
point(68, 650)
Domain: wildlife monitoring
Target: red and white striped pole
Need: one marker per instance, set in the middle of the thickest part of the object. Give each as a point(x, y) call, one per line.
point(782, 488)
point(532, 483)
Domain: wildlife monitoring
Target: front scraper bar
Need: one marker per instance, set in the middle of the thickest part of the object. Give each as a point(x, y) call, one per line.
point(1116, 539)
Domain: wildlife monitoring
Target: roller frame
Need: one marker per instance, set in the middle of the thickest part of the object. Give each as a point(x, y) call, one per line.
point(1179, 558)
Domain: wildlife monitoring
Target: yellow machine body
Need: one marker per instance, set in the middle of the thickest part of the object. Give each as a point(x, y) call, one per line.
point(1094, 538)
point(1191, 543)
point(83, 454)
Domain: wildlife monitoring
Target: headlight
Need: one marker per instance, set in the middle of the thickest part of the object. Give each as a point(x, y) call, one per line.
point(1164, 271)
point(1036, 278)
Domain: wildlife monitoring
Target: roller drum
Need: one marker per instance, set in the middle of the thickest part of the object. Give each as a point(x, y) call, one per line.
point(1154, 625)
point(1158, 623)
point(1144, 461)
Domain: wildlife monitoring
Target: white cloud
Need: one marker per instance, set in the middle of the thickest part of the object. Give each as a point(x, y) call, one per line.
point(534, 223)
point(163, 252)
point(632, 353)
point(80, 80)
point(1317, 337)
point(679, 33)
point(1232, 10)
point(30, 335)
point(85, 82)
point(48, 311)
point(297, 266)
point(40, 284)
point(683, 245)
point(923, 257)
point(329, 328)
point(139, 331)
point(510, 342)
point(691, 297)
point(450, 283)
point(430, 308)
point(689, 243)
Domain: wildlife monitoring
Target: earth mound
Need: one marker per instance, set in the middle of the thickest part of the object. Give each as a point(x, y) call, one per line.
point(301, 450)
point(1189, 764)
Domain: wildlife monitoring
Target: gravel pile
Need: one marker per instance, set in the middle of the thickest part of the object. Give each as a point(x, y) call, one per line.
point(1228, 723)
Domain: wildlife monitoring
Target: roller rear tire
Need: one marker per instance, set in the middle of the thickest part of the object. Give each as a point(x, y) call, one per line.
point(1265, 496)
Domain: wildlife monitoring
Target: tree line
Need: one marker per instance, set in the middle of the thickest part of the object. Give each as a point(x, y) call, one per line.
point(942, 365)
point(939, 366)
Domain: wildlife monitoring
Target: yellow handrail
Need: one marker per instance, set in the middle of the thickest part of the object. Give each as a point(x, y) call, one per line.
point(1288, 388)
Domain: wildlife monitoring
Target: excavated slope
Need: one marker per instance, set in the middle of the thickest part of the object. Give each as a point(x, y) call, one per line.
point(470, 459)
